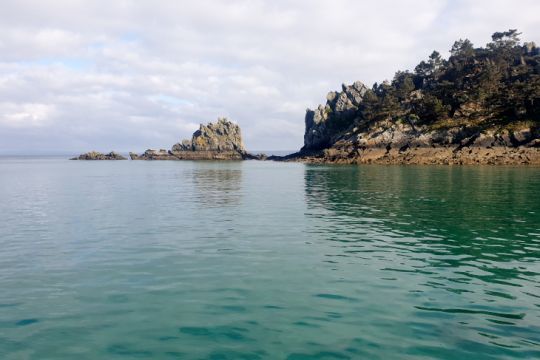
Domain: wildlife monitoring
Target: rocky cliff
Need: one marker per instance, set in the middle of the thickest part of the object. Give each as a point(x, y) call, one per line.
point(399, 143)
point(215, 141)
point(322, 123)
point(479, 106)
point(328, 139)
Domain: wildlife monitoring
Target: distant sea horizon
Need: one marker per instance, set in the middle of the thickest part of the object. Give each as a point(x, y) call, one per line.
point(267, 260)
point(64, 153)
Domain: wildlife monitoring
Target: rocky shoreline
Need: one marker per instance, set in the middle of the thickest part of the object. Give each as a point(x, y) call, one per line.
point(163, 154)
point(479, 106)
point(405, 144)
point(384, 143)
point(425, 156)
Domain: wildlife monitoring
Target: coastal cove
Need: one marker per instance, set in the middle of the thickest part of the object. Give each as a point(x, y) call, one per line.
point(270, 180)
point(256, 260)
point(481, 106)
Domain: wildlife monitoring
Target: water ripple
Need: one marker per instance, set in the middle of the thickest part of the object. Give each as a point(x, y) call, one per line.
point(257, 260)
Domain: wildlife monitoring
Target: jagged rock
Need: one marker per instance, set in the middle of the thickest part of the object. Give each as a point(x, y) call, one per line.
point(316, 136)
point(185, 145)
point(133, 156)
point(443, 112)
point(503, 139)
point(522, 136)
point(249, 156)
point(221, 136)
point(219, 141)
point(321, 123)
point(389, 142)
point(151, 154)
point(485, 140)
point(94, 155)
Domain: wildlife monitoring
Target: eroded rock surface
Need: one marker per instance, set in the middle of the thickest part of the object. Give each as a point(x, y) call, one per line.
point(323, 123)
point(215, 141)
point(398, 143)
point(95, 155)
point(339, 132)
point(222, 136)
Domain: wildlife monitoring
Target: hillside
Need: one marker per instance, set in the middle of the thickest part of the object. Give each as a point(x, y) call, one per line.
point(481, 105)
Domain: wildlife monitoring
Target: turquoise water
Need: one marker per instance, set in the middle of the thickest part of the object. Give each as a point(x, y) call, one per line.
point(262, 260)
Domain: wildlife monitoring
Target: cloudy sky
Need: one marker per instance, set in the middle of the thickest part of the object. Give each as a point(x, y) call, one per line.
point(126, 75)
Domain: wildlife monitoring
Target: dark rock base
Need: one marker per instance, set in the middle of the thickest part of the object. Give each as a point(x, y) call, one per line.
point(94, 155)
point(195, 155)
point(425, 156)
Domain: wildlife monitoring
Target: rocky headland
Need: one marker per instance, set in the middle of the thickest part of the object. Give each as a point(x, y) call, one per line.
point(95, 155)
point(215, 141)
point(481, 106)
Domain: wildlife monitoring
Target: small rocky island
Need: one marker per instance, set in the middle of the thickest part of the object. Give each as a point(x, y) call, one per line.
point(95, 155)
point(219, 141)
point(479, 106)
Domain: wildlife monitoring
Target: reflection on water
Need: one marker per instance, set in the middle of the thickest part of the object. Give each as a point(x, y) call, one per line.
point(264, 260)
point(217, 187)
point(473, 233)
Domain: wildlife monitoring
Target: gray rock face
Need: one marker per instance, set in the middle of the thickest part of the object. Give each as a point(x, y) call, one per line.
point(151, 154)
point(317, 135)
point(221, 136)
point(335, 132)
point(340, 108)
point(94, 155)
point(219, 141)
point(389, 142)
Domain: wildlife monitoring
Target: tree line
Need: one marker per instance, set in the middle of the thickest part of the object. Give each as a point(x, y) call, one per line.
point(488, 86)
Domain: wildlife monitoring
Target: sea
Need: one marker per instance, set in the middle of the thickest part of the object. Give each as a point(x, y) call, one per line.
point(267, 260)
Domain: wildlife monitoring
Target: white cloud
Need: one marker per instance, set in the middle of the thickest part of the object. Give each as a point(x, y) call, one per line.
point(26, 115)
point(127, 75)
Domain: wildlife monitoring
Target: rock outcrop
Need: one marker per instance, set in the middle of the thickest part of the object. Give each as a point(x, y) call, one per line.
point(481, 105)
point(94, 155)
point(338, 133)
point(222, 136)
point(403, 145)
point(323, 123)
point(219, 141)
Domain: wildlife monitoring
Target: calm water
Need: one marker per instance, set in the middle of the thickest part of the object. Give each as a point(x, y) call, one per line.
point(261, 260)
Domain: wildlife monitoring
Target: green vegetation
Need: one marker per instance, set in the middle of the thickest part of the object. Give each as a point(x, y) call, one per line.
point(492, 86)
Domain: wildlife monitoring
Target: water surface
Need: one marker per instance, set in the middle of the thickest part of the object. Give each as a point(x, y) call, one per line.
point(262, 260)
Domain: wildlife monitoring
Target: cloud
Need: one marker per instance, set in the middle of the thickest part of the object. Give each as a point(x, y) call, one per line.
point(78, 75)
point(26, 115)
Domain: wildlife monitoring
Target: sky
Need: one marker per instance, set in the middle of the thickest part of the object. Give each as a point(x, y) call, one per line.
point(129, 75)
